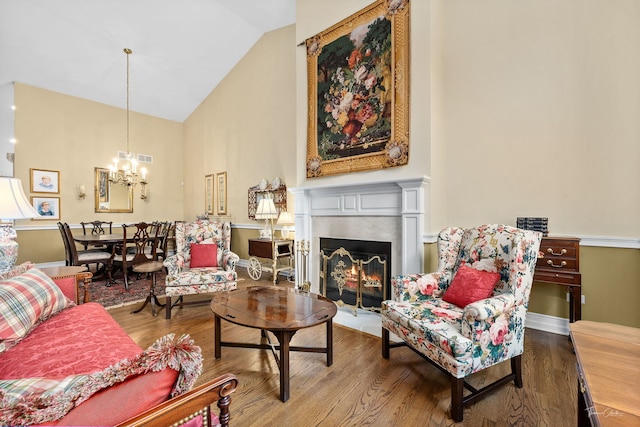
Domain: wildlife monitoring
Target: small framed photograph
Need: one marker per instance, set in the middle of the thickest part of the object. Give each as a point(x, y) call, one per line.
point(45, 181)
point(222, 193)
point(47, 207)
point(208, 194)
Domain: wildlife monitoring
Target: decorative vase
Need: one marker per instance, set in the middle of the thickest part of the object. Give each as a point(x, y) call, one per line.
point(8, 248)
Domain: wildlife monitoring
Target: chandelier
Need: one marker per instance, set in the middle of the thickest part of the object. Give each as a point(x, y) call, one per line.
point(125, 171)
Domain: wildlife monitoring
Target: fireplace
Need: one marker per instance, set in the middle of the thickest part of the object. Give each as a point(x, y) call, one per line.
point(390, 211)
point(355, 273)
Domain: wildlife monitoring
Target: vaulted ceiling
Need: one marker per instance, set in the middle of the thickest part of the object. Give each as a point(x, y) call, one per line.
point(181, 48)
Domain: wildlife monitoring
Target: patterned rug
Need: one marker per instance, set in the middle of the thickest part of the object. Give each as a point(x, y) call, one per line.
point(115, 295)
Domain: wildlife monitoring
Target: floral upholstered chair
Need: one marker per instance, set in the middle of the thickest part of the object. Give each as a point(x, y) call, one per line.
point(470, 314)
point(203, 262)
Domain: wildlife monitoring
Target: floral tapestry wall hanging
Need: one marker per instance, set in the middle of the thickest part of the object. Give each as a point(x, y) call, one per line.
point(358, 86)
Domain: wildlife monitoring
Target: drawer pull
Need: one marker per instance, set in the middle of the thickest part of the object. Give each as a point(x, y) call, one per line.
point(562, 252)
point(562, 264)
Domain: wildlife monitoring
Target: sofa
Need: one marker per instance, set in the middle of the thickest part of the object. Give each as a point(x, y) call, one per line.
point(203, 262)
point(67, 364)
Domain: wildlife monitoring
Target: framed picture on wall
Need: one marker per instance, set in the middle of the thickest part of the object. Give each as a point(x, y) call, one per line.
point(45, 181)
point(208, 194)
point(358, 92)
point(47, 207)
point(222, 193)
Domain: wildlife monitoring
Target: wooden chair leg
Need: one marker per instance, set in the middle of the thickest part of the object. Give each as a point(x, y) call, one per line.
point(516, 369)
point(385, 343)
point(457, 405)
point(167, 307)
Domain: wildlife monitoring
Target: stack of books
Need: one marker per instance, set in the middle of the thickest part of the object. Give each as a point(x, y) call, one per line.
point(534, 223)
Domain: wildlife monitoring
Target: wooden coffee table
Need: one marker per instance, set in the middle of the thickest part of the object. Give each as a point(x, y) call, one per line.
point(279, 310)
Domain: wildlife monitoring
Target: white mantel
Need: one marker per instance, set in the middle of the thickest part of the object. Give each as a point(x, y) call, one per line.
point(396, 210)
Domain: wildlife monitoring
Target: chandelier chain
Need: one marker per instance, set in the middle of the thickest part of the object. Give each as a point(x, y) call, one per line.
point(127, 174)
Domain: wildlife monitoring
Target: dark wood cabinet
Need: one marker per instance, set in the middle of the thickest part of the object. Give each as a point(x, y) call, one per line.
point(559, 263)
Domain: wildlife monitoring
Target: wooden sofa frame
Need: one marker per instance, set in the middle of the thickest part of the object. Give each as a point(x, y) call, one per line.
point(187, 406)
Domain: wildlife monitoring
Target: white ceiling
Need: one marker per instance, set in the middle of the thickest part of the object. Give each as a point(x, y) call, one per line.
point(181, 48)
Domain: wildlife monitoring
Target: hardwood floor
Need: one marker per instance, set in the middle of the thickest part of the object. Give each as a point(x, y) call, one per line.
point(361, 388)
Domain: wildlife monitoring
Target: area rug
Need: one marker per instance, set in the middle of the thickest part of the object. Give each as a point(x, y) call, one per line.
point(115, 295)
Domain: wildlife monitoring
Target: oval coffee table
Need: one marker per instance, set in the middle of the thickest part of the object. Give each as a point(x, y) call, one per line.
point(279, 310)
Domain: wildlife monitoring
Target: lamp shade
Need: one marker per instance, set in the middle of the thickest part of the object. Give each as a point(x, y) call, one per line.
point(13, 202)
point(285, 218)
point(266, 209)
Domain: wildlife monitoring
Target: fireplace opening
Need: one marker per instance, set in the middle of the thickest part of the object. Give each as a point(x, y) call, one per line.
point(355, 273)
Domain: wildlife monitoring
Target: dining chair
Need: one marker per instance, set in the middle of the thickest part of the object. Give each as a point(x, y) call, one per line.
point(67, 251)
point(136, 238)
point(97, 227)
point(84, 257)
point(165, 230)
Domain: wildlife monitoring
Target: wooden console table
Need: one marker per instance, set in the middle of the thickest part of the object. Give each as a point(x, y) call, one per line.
point(559, 264)
point(608, 363)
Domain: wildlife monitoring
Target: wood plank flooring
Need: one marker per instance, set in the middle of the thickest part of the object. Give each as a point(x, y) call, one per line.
point(361, 388)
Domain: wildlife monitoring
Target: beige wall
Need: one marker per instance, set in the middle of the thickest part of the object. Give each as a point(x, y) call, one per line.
point(72, 135)
point(246, 127)
point(540, 105)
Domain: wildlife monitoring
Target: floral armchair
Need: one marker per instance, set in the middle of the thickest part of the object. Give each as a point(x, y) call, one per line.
point(461, 340)
point(183, 279)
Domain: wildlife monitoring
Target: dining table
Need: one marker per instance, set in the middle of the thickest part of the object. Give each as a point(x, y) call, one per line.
point(100, 239)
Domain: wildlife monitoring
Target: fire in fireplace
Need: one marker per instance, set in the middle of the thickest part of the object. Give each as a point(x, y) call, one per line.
point(355, 273)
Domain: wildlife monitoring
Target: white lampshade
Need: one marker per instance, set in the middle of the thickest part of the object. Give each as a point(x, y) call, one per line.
point(285, 219)
point(13, 202)
point(266, 209)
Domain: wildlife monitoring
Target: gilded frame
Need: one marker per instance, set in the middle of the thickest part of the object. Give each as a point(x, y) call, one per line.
point(52, 210)
point(209, 194)
point(221, 196)
point(358, 92)
point(44, 181)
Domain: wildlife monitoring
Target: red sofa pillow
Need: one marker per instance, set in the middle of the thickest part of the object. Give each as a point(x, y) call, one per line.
point(470, 285)
point(204, 255)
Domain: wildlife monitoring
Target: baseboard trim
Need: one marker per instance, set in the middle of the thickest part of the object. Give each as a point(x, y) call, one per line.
point(546, 323)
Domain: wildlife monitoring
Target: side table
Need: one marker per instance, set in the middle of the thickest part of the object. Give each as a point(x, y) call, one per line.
point(264, 248)
point(151, 267)
point(559, 264)
point(80, 274)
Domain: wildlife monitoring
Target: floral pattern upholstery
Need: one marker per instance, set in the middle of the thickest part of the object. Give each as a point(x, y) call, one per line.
point(8, 248)
point(464, 340)
point(182, 280)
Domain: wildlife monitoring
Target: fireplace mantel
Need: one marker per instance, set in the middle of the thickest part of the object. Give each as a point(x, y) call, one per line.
point(403, 201)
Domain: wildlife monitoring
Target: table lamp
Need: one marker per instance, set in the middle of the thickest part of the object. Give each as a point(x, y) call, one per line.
point(285, 219)
point(13, 205)
point(267, 211)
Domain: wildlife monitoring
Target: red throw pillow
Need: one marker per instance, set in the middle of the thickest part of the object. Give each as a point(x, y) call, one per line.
point(470, 285)
point(204, 255)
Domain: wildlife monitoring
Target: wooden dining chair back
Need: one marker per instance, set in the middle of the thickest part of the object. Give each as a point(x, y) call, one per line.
point(139, 244)
point(165, 230)
point(88, 257)
point(95, 228)
point(68, 257)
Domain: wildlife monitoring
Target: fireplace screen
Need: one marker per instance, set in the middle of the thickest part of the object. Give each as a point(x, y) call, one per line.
point(357, 277)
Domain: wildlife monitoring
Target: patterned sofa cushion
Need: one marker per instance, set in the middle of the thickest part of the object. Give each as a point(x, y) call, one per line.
point(26, 299)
